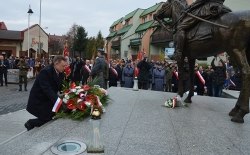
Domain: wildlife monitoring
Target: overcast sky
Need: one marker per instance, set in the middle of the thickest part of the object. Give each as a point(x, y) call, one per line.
point(60, 15)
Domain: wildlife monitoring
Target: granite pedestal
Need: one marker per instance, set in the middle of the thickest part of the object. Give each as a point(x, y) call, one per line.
point(136, 123)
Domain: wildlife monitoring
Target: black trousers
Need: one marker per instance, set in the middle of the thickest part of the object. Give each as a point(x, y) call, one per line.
point(3, 74)
point(143, 85)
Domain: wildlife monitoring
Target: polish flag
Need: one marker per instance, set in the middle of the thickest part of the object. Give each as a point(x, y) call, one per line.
point(200, 77)
point(57, 105)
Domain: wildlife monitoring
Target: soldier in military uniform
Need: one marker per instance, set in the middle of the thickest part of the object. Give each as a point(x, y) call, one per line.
point(23, 71)
point(99, 68)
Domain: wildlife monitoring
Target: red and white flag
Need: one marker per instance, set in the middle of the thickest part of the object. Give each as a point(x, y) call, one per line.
point(87, 68)
point(57, 105)
point(66, 51)
point(200, 77)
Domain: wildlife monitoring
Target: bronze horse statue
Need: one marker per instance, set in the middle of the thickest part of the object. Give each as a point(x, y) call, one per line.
point(235, 40)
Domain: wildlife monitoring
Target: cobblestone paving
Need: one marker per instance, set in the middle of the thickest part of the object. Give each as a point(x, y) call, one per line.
point(11, 99)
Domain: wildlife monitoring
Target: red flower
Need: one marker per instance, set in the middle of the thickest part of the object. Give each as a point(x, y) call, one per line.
point(82, 106)
point(90, 98)
point(67, 71)
point(86, 87)
point(66, 91)
point(73, 85)
point(71, 104)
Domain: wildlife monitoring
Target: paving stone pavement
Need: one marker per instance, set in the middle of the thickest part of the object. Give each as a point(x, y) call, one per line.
point(11, 99)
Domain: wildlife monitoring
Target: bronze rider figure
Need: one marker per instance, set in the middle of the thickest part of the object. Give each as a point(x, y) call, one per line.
point(206, 9)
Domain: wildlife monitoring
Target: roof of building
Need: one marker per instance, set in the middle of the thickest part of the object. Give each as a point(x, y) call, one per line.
point(124, 29)
point(144, 26)
point(3, 26)
point(151, 9)
point(112, 34)
point(116, 22)
point(11, 35)
point(56, 37)
point(130, 15)
point(32, 26)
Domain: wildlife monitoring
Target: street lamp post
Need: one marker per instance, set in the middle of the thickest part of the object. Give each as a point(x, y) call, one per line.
point(29, 14)
point(39, 37)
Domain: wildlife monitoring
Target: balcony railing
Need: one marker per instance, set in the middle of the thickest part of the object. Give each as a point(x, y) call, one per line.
point(161, 37)
point(116, 43)
point(135, 42)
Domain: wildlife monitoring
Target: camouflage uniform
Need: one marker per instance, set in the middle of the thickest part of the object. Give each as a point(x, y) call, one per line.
point(23, 71)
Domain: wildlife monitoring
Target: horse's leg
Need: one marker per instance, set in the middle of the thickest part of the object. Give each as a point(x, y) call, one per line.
point(242, 106)
point(180, 75)
point(191, 80)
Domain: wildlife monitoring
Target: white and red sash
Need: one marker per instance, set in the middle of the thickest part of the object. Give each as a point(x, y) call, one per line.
point(114, 71)
point(57, 105)
point(87, 68)
point(176, 75)
point(232, 83)
point(200, 77)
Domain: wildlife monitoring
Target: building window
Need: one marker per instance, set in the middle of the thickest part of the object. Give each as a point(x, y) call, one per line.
point(140, 34)
point(125, 54)
point(144, 19)
point(150, 17)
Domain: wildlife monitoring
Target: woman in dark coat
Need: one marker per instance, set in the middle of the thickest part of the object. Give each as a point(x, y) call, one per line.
point(128, 75)
point(43, 95)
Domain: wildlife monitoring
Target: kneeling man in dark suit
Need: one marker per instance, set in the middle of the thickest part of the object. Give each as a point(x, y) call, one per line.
point(44, 93)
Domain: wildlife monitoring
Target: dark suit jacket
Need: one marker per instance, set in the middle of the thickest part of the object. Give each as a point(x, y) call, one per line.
point(43, 94)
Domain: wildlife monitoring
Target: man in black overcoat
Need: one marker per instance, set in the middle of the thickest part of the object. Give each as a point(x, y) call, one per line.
point(144, 73)
point(44, 93)
point(76, 70)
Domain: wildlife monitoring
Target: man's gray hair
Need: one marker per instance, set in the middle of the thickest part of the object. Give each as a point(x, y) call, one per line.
point(58, 58)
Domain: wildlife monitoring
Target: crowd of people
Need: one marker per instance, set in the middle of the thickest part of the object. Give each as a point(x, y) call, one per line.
point(155, 75)
point(27, 67)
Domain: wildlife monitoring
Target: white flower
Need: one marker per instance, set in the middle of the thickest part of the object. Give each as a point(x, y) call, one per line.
point(78, 92)
point(66, 96)
point(79, 100)
point(96, 86)
point(73, 90)
point(88, 104)
point(78, 87)
point(65, 100)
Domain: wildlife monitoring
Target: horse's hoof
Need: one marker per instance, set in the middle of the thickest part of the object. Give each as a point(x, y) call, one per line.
point(238, 117)
point(188, 100)
point(234, 111)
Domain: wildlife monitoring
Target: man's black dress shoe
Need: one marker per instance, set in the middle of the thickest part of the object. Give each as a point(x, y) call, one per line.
point(28, 126)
